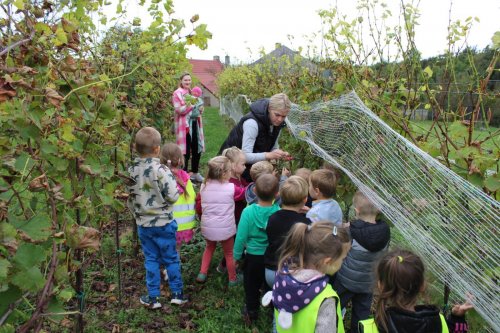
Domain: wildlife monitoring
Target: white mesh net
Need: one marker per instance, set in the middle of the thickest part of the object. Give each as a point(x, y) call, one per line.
point(234, 107)
point(449, 222)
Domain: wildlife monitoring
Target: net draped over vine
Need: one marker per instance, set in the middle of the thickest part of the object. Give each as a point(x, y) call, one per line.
point(449, 222)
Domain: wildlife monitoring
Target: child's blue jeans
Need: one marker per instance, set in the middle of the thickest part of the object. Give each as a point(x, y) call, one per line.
point(158, 245)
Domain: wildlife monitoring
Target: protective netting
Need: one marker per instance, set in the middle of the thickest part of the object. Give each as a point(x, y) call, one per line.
point(449, 222)
point(234, 107)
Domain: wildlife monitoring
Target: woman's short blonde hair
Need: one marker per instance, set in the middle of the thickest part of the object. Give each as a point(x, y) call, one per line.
point(279, 102)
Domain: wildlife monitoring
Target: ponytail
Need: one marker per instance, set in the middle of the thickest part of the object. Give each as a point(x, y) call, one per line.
point(306, 246)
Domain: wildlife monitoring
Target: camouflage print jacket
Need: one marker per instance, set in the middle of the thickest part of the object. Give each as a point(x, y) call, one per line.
point(154, 193)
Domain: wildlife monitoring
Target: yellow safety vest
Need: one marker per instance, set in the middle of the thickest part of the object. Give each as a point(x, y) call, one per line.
point(184, 212)
point(369, 326)
point(304, 320)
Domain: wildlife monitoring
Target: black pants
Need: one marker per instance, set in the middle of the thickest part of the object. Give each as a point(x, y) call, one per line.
point(192, 149)
point(361, 303)
point(253, 279)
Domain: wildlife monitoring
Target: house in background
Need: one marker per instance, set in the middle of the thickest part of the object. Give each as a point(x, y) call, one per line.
point(206, 71)
point(282, 52)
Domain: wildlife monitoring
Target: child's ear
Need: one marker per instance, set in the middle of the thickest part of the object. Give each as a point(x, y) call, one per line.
point(304, 200)
point(156, 151)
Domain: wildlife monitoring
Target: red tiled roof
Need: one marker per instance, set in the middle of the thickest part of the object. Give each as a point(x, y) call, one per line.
point(206, 71)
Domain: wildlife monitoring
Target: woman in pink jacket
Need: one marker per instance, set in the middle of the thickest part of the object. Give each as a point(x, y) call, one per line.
point(217, 196)
point(188, 129)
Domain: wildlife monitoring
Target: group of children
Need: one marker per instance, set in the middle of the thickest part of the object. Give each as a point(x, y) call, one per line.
point(286, 235)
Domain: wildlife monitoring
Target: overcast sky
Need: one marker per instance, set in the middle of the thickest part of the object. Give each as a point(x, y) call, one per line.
point(241, 28)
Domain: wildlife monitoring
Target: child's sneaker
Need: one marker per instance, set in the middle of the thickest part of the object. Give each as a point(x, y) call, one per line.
point(150, 302)
point(201, 278)
point(178, 298)
point(249, 317)
point(233, 283)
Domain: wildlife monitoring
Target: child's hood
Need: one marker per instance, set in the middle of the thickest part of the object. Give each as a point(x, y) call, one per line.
point(250, 196)
point(372, 236)
point(292, 292)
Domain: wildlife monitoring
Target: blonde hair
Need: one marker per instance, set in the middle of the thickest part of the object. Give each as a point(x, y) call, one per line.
point(307, 246)
point(146, 140)
point(218, 166)
point(233, 153)
point(303, 173)
point(279, 102)
point(294, 191)
point(325, 181)
point(260, 168)
point(266, 187)
point(363, 205)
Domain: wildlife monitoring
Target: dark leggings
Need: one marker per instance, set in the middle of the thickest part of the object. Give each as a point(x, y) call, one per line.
point(253, 279)
point(192, 149)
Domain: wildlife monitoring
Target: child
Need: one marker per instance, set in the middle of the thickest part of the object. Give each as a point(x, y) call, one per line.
point(305, 173)
point(401, 279)
point(184, 213)
point(238, 159)
point(304, 301)
point(257, 169)
point(293, 195)
point(217, 196)
point(151, 199)
point(322, 184)
point(370, 238)
point(252, 236)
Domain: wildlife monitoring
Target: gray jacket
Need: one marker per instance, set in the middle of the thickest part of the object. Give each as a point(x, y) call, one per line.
point(369, 242)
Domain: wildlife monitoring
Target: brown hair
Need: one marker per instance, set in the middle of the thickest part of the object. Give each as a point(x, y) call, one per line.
point(171, 156)
point(401, 277)
point(363, 205)
point(266, 187)
point(304, 173)
point(217, 167)
point(260, 168)
point(308, 246)
point(146, 140)
point(294, 191)
point(279, 102)
point(325, 181)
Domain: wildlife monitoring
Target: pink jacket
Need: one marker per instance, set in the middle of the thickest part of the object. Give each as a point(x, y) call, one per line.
point(181, 111)
point(217, 202)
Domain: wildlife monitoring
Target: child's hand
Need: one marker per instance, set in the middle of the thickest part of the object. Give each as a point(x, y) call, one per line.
point(285, 172)
point(459, 310)
point(201, 108)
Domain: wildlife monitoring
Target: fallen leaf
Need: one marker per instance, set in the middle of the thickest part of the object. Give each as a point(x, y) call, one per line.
point(53, 97)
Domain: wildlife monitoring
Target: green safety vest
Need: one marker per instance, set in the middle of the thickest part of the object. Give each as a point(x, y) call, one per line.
point(184, 212)
point(304, 320)
point(369, 326)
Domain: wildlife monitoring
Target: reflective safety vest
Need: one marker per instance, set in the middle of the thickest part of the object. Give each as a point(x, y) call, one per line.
point(369, 326)
point(304, 320)
point(184, 212)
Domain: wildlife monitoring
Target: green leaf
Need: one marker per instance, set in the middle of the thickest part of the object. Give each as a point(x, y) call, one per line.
point(65, 294)
point(19, 4)
point(7, 232)
point(146, 47)
point(496, 40)
point(428, 72)
point(38, 228)
point(136, 22)
point(67, 133)
point(492, 183)
point(29, 279)
point(29, 255)
point(4, 269)
point(55, 306)
point(23, 163)
point(8, 297)
point(61, 37)
point(339, 87)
